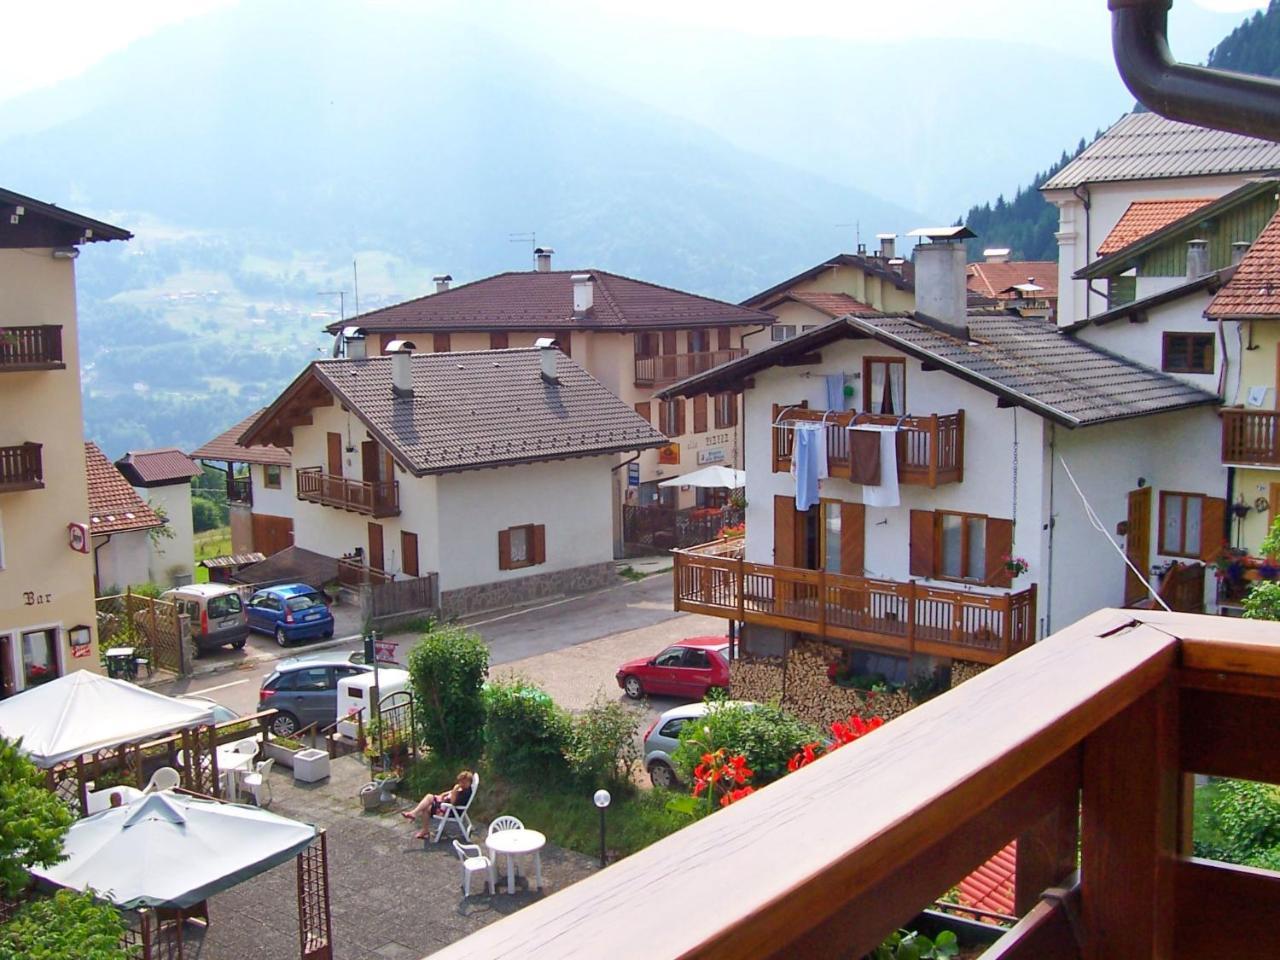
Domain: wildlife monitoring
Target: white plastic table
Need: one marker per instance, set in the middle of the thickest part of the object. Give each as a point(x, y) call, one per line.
point(233, 764)
point(514, 843)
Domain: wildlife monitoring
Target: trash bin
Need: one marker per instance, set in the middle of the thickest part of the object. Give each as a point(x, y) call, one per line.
point(120, 663)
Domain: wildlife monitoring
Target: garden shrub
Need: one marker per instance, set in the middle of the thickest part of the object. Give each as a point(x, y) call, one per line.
point(32, 820)
point(1262, 602)
point(603, 748)
point(205, 515)
point(1244, 819)
point(525, 733)
point(67, 926)
point(447, 670)
point(766, 735)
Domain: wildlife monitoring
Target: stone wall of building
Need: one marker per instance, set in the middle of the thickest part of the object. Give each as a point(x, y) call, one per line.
point(510, 593)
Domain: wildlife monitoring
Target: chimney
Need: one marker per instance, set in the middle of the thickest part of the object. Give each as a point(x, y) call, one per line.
point(1238, 250)
point(887, 243)
point(442, 282)
point(542, 257)
point(401, 353)
point(583, 294)
point(942, 278)
point(896, 265)
point(996, 255)
point(353, 343)
point(1197, 258)
point(547, 358)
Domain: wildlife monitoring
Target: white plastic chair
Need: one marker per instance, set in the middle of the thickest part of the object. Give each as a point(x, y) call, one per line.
point(451, 814)
point(249, 746)
point(259, 784)
point(166, 778)
point(505, 822)
point(473, 861)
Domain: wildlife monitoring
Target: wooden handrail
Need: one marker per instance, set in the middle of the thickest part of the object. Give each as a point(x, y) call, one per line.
point(21, 467)
point(652, 369)
point(1251, 436)
point(31, 348)
point(380, 499)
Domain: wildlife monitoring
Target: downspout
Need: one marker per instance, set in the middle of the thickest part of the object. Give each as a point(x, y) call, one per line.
point(1223, 100)
point(620, 548)
point(1048, 580)
point(1087, 201)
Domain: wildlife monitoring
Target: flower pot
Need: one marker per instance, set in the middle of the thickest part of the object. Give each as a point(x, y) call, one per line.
point(370, 796)
point(310, 766)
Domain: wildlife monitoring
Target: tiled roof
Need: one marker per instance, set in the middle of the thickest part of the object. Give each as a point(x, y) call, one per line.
point(155, 468)
point(902, 277)
point(114, 506)
point(226, 447)
point(481, 408)
point(990, 887)
point(832, 304)
point(1147, 216)
point(992, 279)
point(1146, 146)
point(290, 565)
point(534, 300)
point(1254, 291)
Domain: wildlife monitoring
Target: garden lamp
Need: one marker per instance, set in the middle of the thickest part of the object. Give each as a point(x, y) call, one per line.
point(602, 799)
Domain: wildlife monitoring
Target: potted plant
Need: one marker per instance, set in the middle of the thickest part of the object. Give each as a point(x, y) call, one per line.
point(388, 782)
point(333, 590)
point(1016, 566)
point(282, 750)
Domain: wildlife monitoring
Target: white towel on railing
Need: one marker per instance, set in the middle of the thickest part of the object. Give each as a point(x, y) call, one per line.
point(808, 461)
point(886, 493)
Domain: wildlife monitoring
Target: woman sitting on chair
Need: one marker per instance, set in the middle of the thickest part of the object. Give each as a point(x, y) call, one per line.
point(431, 804)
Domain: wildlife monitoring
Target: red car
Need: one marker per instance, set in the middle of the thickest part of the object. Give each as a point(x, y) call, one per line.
point(686, 669)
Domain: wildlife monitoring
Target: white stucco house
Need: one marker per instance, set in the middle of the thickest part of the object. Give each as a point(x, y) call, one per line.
point(162, 477)
point(121, 526)
point(493, 468)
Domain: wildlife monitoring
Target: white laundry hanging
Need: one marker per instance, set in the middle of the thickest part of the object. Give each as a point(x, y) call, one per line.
point(885, 494)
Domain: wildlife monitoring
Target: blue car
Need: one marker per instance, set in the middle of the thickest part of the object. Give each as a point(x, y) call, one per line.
point(291, 611)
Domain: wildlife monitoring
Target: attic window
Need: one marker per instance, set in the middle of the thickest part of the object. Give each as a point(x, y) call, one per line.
point(1187, 353)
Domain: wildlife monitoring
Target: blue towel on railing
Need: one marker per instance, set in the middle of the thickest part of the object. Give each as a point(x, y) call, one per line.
point(808, 462)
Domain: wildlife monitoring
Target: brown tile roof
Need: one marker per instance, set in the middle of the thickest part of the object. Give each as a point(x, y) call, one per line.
point(990, 887)
point(155, 468)
point(290, 565)
point(992, 279)
point(532, 300)
point(226, 447)
point(1254, 290)
point(1145, 217)
point(875, 266)
point(474, 409)
point(114, 506)
point(832, 304)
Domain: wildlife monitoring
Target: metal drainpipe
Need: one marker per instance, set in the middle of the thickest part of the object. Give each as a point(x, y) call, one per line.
point(1087, 200)
point(1235, 102)
point(1048, 580)
point(97, 580)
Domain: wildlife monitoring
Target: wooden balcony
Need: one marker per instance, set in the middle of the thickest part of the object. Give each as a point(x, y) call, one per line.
point(1251, 437)
point(240, 491)
point(653, 371)
point(1081, 747)
point(31, 348)
point(930, 449)
point(359, 496)
point(902, 618)
point(21, 468)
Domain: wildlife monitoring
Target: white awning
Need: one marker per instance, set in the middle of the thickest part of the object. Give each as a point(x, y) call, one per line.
point(715, 476)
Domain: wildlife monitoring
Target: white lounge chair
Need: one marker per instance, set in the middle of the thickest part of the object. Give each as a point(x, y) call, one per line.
point(450, 814)
point(473, 861)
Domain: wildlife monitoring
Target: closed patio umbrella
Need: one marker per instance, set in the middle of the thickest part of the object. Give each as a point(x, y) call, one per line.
point(714, 476)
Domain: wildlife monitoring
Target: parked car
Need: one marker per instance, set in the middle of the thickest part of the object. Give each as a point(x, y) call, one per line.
point(687, 669)
point(290, 611)
point(305, 690)
point(663, 736)
point(216, 613)
point(221, 714)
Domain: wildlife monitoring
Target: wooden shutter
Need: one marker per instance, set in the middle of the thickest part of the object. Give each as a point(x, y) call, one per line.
point(504, 549)
point(376, 558)
point(669, 342)
point(409, 553)
point(784, 531)
point(388, 466)
point(335, 454)
point(722, 338)
point(538, 544)
point(853, 538)
point(498, 341)
point(644, 409)
point(921, 547)
point(369, 461)
point(566, 344)
point(384, 339)
point(999, 546)
point(700, 413)
point(679, 402)
point(440, 342)
point(1213, 528)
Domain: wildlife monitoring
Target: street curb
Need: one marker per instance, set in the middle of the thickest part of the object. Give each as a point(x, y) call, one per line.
point(213, 669)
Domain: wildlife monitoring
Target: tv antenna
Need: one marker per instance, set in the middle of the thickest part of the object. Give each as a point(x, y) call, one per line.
point(342, 301)
point(857, 230)
point(528, 237)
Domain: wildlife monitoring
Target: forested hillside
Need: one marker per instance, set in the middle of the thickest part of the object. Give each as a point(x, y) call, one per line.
point(1252, 47)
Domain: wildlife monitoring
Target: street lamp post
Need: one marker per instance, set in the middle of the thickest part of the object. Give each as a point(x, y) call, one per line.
point(602, 799)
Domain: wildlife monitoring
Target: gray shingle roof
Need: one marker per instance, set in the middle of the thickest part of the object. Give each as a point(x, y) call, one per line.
point(1145, 146)
point(481, 408)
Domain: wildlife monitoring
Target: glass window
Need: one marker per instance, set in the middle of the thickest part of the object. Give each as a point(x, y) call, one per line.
point(227, 605)
point(831, 537)
point(1188, 353)
point(311, 678)
point(977, 548)
point(697, 659)
point(519, 545)
point(278, 681)
point(782, 331)
point(669, 417)
point(39, 657)
point(726, 410)
point(672, 728)
point(884, 385)
point(952, 540)
point(670, 657)
point(1181, 524)
point(303, 602)
point(699, 341)
point(962, 546)
point(272, 476)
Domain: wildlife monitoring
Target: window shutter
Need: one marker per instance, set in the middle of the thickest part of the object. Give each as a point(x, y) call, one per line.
point(853, 538)
point(669, 342)
point(700, 413)
point(784, 531)
point(679, 402)
point(722, 338)
point(504, 549)
point(643, 410)
point(1213, 527)
point(921, 548)
point(440, 342)
point(538, 548)
point(999, 546)
point(498, 341)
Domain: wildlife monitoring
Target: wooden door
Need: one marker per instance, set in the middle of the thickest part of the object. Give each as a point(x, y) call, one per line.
point(376, 558)
point(335, 454)
point(1137, 544)
point(784, 531)
point(409, 553)
point(271, 534)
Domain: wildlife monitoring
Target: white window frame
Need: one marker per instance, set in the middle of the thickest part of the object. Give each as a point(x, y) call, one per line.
point(782, 331)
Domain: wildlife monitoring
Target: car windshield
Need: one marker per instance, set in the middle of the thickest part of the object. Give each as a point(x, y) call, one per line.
point(303, 601)
point(227, 605)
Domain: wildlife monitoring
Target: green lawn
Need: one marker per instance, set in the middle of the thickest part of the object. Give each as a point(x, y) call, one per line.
point(209, 544)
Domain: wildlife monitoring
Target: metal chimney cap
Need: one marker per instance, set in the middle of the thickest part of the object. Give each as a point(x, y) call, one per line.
point(543, 251)
point(400, 346)
point(581, 278)
point(352, 333)
point(886, 236)
point(545, 343)
point(442, 277)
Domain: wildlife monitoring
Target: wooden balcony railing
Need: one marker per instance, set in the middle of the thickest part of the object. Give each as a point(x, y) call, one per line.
point(240, 490)
point(930, 449)
point(1082, 748)
point(905, 618)
point(668, 368)
point(353, 573)
point(21, 468)
point(1251, 437)
point(380, 499)
point(31, 348)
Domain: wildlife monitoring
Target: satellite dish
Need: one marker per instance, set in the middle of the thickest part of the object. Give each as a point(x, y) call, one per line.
point(337, 346)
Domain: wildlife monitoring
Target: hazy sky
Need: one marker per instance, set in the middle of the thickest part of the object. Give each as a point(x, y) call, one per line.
point(65, 38)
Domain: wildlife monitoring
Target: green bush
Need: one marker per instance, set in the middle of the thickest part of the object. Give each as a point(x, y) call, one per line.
point(1262, 602)
point(603, 748)
point(525, 733)
point(765, 734)
point(1244, 819)
point(32, 820)
point(205, 515)
point(447, 669)
point(67, 926)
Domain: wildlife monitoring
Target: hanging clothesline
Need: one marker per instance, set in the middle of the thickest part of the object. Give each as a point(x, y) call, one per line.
point(790, 424)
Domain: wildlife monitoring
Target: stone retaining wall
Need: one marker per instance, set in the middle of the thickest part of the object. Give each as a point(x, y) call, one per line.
point(509, 593)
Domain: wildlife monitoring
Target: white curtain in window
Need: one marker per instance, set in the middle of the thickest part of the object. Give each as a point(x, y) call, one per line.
point(1191, 540)
point(1171, 534)
point(897, 388)
point(977, 548)
point(831, 537)
point(877, 388)
point(952, 545)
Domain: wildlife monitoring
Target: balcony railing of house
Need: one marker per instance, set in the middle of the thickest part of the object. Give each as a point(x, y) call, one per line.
point(31, 348)
point(21, 468)
point(381, 499)
point(240, 490)
point(1251, 437)
point(904, 618)
point(668, 368)
point(1083, 748)
point(930, 449)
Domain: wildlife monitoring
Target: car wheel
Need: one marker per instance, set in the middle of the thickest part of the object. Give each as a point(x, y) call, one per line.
point(661, 775)
point(631, 684)
point(281, 638)
point(238, 645)
point(284, 724)
point(328, 633)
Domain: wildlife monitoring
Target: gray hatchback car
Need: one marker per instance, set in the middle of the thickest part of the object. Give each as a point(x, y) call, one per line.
point(662, 738)
point(304, 690)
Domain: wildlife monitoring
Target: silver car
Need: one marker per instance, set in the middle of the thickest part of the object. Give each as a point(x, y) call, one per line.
point(662, 738)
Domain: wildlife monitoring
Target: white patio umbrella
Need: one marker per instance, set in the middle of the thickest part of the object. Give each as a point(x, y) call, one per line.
point(171, 850)
point(715, 476)
point(83, 711)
